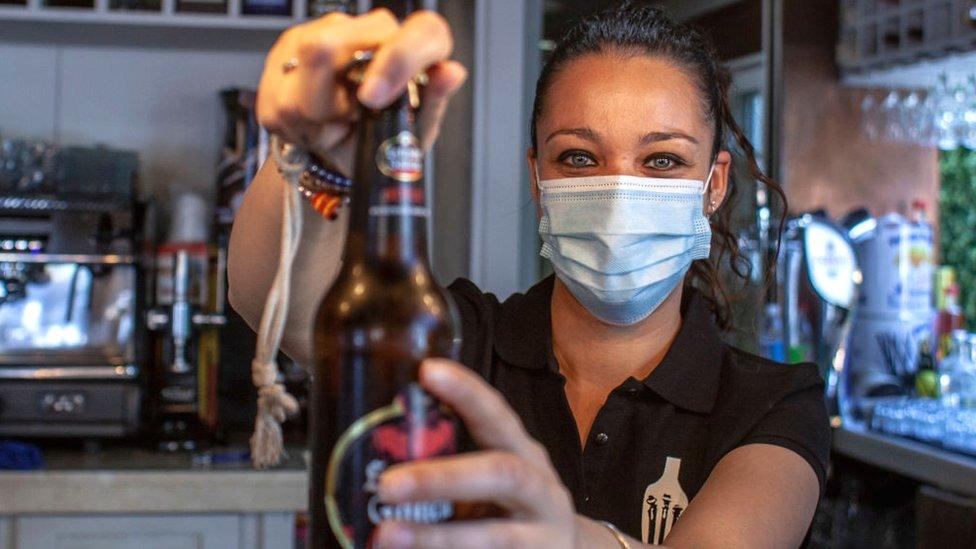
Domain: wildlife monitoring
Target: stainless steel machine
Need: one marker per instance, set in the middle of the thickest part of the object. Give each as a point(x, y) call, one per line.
point(818, 278)
point(70, 300)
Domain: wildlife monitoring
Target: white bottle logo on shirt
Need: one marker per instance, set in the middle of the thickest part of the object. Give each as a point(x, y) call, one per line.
point(664, 501)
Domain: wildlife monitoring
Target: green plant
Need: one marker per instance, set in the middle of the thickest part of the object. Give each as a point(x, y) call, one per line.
point(957, 223)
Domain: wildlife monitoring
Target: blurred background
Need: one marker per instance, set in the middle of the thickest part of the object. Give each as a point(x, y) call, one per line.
point(128, 136)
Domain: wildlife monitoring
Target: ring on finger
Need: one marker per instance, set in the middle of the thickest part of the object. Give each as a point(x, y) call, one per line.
point(289, 65)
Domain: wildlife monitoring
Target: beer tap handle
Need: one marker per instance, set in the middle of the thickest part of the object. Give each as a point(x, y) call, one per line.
point(181, 318)
point(209, 320)
point(156, 319)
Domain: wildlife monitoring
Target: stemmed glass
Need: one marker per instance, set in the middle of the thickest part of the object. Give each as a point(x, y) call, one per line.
point(943, 116)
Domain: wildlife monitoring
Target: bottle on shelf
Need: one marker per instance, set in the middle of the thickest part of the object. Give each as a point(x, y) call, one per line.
point(771, 339)
point(266, 7)
point(85, 4)
point(949, 315)
point(201, 6)
point(959, 398)
point(926, 378)
point(135, 5)
point(957, 373)
point(318, 8)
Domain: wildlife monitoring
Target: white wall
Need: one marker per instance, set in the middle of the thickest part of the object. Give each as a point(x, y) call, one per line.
point(150, 90)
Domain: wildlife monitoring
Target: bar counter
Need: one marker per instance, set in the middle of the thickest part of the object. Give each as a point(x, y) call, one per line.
point(928, 464)
point(125, 497)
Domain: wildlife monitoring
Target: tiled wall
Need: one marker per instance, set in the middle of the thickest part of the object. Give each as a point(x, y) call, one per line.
point(827, 160)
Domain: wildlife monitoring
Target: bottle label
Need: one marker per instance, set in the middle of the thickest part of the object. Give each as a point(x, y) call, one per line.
point(400, 158)
point(414, 426)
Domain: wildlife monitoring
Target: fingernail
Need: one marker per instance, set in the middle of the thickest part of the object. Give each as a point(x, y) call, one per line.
point(374, 92)
point(393, 534)
point(395, 487)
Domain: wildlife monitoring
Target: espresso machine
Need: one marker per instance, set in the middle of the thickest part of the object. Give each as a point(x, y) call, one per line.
point(817, 285)
point(70, 299)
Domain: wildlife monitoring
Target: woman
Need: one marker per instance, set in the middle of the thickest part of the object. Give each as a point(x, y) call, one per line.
point(603, 399)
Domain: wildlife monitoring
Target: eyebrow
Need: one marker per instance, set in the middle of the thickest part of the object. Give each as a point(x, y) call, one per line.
point(652, 137)
point(582, 133)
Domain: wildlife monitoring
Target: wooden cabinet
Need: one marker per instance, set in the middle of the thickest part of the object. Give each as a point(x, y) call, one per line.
point(163, 531)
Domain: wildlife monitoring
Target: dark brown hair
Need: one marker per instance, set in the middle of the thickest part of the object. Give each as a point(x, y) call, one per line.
point(644, 30)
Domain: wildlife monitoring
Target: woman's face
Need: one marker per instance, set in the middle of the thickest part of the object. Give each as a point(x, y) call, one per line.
point(616, 114)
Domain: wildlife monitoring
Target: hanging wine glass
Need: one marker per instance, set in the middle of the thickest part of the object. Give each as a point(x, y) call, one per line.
point(927, 135)
point(908, 112)
point(869, 116)
point(969, 115)
point(891, 121)
point(945, 118)
point(959, 107)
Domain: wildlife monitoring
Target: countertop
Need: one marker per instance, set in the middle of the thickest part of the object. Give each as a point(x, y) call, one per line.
point(131, 480)
point(928, 464)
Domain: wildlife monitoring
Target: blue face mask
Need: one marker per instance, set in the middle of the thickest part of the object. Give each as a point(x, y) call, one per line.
point(622, 243)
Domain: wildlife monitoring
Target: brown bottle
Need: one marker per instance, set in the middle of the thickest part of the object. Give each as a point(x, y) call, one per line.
point(382, 317)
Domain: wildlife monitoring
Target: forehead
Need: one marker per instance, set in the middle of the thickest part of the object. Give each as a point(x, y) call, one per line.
point(616, 91)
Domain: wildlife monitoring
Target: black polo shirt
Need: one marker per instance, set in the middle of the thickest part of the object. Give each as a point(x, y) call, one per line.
point(703, 400)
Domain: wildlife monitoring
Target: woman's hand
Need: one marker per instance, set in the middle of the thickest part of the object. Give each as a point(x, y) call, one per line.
point(301, 96)
point(512, 471)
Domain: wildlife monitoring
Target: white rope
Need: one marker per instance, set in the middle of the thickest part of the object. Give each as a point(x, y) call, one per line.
point(274, 402)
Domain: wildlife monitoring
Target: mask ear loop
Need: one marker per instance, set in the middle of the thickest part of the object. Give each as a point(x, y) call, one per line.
point(706, 189)
point(538, 180)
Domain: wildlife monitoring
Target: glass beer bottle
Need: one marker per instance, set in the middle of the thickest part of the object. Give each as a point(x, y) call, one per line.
point(381, 318)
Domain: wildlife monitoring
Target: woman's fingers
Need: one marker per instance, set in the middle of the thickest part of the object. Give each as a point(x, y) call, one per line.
point(485, 412)
point(484, 534)
point(423, 40)
point(295, 103)
point(303, 98)
point(325, 50)
point(502, 478)
point(445, 79)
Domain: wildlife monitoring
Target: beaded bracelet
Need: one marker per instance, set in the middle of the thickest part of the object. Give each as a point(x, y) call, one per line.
point(327, 204)
point(326, 189)
point(319, 178)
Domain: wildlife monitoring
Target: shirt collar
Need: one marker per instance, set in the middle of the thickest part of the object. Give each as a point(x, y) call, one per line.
point(688, 376)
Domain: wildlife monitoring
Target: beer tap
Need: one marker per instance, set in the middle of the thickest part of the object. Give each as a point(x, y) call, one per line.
point(180, 319)
point(178, 390)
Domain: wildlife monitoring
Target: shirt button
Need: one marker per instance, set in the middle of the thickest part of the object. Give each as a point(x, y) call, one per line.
point(602, 439)
point(632, 391)
point(586, 499)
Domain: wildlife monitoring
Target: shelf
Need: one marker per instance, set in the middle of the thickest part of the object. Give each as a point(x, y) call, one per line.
point(922, 462)
point(85, 259)
point(919, 74)
point(878, 36)
point(165, 18)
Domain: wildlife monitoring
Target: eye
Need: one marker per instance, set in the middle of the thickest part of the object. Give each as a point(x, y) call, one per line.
point(577, 159)
point(663, 163)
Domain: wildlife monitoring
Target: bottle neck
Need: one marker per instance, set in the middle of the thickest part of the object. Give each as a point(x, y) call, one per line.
point(671, 468)
point(388, 210)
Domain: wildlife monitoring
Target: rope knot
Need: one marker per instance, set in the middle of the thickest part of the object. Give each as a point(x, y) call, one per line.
point(263, 373)
point(274, 402)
